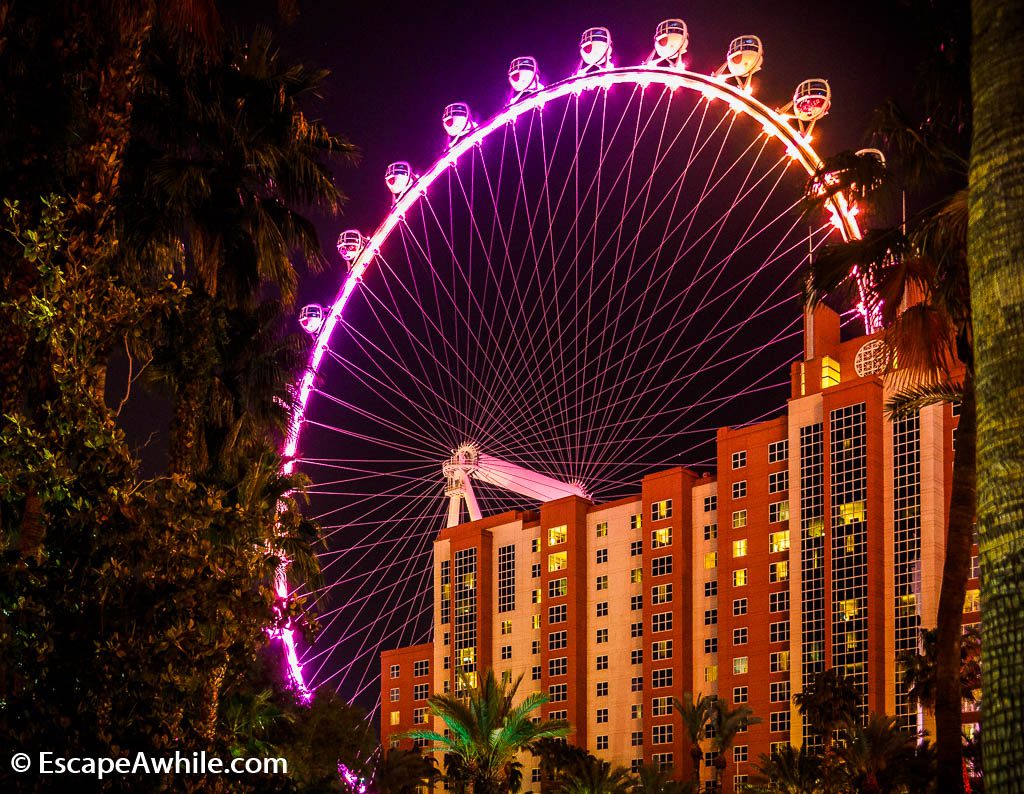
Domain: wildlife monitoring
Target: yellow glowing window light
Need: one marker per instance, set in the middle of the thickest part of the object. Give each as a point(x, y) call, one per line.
point(661, 537)
point(852, 512)
point(972, 601)
point(739, 519)
point(739, 577)
point(778, 541)
point(395, 717)
point(710, 560)
point(829, 372)
point(558, 535)
point(739, 548)
point(557, 561)
point(848, 609)
point(711, 673)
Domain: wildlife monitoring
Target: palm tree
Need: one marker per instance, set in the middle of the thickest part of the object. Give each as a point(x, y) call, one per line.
point(485, 731)
point(727, 724)
point(401, 771)
point(879, 758)
point(919, 674)
point(830, 703)
point(590, 775)
point(697, 714)
point(995, 253)
point(918, 268)
point(655, 780)
point(790, 771)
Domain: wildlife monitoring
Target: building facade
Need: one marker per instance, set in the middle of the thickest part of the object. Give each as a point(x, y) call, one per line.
point(818, 544)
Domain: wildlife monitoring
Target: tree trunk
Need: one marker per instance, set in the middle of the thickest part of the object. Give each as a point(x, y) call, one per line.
point(995, 249)
point(955, 573)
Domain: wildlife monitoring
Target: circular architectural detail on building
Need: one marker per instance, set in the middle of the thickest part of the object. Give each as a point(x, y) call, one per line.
point(872, 358)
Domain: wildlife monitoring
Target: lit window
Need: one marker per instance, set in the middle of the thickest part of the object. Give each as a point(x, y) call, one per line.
point(739, 548)
point(558, 535)
point(536, 596)
point(710, 560)
point(778, 571)
point(851, 512)
point(779, 662)
point(534, 621)
point(661, 594)
point(506, 627)
point(661, 537)
point(739, 577)
point(602, 529)
point(636, 711)
point(636, 521)
point(636, 575)
point(557, 561)
point(739, 519)
point(661, 707)
point(661, 510)
point(829, 372)
point(711, 673)
point(778, 511)
point(535, 545)
point(847, 609)
point(395, 717)
point(972, 601)
point(778, 541)
point(739, 459)
point(661, 650)
point(739, 489)
point(739, 665)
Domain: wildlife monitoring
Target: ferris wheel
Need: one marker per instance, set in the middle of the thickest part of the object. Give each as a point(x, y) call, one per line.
point(577, 292)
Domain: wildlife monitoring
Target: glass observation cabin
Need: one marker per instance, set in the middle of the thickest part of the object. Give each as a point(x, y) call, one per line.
point(457, 119)
point(311, 318)
point(745, 56)
point(523, 74)
point(350, 243)
point(398, 177)
point(596, 46)
point(671, 38)
point(812, 99)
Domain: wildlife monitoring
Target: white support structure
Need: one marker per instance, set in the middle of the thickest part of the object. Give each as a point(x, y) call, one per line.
point(467, 464)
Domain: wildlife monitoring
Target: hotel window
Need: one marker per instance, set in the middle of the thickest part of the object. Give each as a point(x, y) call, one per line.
point(778, 541)
point(636, 630)
point(536, 673)
point(636, 521)
point(777, 748)
point(636, 683)
point(636, 711)
point(558, 613)
point(661, 538)
point(661, 510)
point(739, 548)
point(739, 519)
point(421, 668)
point(710, 673)
point(535, 646)
point(395, 717)
point(975, 567)
point(710, 531)
point(395, 695)
point(636, 548)
point(710, 503)
point(739, 459)
point(740, 753)
point(778, 451)
point(711, 588)
point(710, 617)
point(636, 602)
point(778, 481)
point(534, 777)
point(557, 640)
point(557, 535)
point(779, 632)
point(661, 594)
point(558, 587)
point(602, 689)
point(535, 545)
point(558, 715)
point(558, 693)
point(661, 678)
point(601, 583)
point(602, 556)
point(419, 716)
point(778, 691)
point(711, 645)
point(534, 621)
point(661, 734)
point(739, 607)
point(829, 372)
point(636, 575)
point(778, 721)
point(739, 694)
point(602, 716)
point(778, 571)
point(661, 566)
point(536, 597)
point(602, 742)
point(636, 739)
point(557, 561)
point(739, 636)
point(602, 663)
point(661, 650)
point(972, 601)
point(602, 636)
point(739, 665)
point(739, 577)
point(739, 489)
point(636, 656)
point(602, 609)
point(506, 652)
point(778, 511)
point(662, 761)
point(602, 529)
point(661, 621)
point(395, 670)
point(661, 707)
point(710, 560)
point(778, 602)
point(779, 662)
point(506, 627)
point(535, 570)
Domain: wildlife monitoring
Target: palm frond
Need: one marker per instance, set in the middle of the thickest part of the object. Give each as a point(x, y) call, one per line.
point(912, 399)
